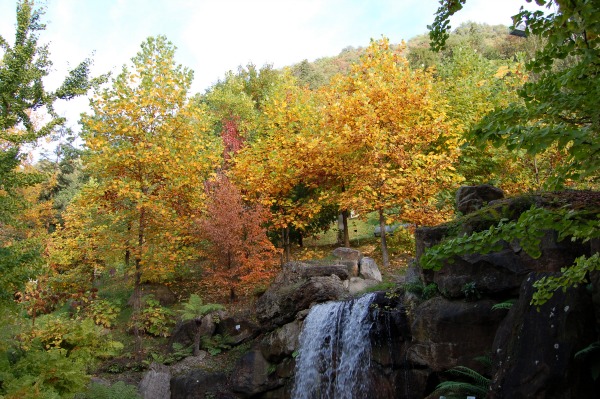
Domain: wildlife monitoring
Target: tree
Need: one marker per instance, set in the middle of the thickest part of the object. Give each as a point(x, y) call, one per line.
point(242, 256)
point(22, 94)
point(559, 107)
point(150, 151)
point(278, 169)
point(396, 146)
point(23, 97)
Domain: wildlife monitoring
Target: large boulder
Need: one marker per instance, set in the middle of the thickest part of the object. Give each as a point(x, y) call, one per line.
point(451, 333)
point(282, 342)
point(369, 270)
point(342, 270)
point(253, 375)
point(500, 274)
point(345, 253)
point(471, 198)
point(199, 384)
point(533, 352)
point(291, 293)
point(490, 274)
point(237, 329)
point(156, 382)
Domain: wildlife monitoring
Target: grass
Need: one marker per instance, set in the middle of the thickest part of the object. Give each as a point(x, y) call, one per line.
point(360, 230)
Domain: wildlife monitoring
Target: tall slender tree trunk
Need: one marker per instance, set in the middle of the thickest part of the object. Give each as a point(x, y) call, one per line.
point(345, 214)
point(137, 292)
point(286, 243)
point(346, 231)
point(384, 249)
point(232, 295)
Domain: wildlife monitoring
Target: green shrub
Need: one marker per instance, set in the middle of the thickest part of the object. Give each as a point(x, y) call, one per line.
point(402, 241)
point(104, 312)
point(118, 390)
point(46, 374)
point(155, 319)
point(195, 308)
point(422, 291)
point(80, 338)
point(216, 344)
point(470, 291)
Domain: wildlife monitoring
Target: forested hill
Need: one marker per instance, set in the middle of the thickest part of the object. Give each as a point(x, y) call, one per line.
point(491, 42)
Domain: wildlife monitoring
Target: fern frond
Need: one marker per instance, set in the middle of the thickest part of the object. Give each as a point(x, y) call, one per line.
point(585, 352)
point(485, 360)
point(504, 305)
point(460, 388)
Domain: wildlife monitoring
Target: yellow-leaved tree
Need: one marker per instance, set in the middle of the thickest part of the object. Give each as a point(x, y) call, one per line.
point(278, 169)
point(150, 153)
point(396, 146)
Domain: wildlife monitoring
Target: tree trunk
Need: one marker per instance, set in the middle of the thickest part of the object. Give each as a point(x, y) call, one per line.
point(346, 231)
point(137, 293)
point(286, 244)
point(384, 250)
point(197, 337)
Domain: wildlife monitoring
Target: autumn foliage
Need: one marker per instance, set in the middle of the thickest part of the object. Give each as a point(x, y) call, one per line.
point(242, 257)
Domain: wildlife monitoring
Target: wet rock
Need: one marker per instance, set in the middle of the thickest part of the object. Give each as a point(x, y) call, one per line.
point(533, 351)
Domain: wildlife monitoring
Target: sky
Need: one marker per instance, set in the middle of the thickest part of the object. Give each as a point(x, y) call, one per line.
point(216, 36)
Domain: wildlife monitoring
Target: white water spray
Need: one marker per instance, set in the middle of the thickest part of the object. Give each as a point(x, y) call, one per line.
point(335, 351)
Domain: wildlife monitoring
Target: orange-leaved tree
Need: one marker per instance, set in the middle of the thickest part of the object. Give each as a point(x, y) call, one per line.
point(150, 152)
point(396, 146)
point(243, 258)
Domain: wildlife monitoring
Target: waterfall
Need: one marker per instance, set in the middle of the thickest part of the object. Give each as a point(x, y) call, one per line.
point(335, 351)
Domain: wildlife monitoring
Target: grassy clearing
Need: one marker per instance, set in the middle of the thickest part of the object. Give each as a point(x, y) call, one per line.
point(400, 245)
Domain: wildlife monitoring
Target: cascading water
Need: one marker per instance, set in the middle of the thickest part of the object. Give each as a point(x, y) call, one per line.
point(335, 351)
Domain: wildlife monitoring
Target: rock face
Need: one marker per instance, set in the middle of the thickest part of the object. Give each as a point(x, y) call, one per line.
point(199, 384)
point(300, 285)
point(369, 270)
point(534, 349)
point(156, 382)
point(471, 198)
point(282, 342)
point(440, 329)
point(253, 376)
point(279, 305)
point(414, 336)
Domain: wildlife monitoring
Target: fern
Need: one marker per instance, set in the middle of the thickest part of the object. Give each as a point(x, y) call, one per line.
point(478, 384)
point(194, 308)
point(585, 352)
point(591, 354)
point(504, 305)
point(455, 388)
